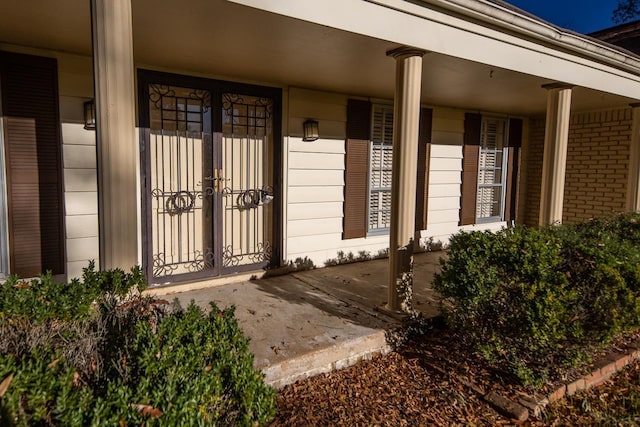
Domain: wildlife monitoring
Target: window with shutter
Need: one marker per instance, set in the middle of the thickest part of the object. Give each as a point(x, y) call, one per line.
point(368, 169)
point(490, 169)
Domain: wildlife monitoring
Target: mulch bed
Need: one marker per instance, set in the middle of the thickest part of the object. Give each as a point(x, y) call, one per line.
point(432, 379)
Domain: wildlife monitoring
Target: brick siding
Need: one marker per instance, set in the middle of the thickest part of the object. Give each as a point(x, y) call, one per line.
point(597, 165)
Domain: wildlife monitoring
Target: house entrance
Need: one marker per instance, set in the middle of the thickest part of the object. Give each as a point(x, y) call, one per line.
point(208, 150)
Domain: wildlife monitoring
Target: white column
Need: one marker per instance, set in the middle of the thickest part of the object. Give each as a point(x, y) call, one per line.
point(633, 183)
point(554, 162)
point(406, 118)
point(116, 138)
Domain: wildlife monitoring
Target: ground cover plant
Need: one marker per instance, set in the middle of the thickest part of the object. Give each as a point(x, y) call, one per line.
point(536, 300)
point(98, 352)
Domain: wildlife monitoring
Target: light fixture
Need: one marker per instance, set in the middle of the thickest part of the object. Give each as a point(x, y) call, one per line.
point(310, 130)
point(90, 115)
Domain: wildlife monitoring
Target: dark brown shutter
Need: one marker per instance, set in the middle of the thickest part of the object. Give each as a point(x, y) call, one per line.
point(422, 180)
point(470, 154)
point(513, 164)
point(33, 162)
point(356, 173)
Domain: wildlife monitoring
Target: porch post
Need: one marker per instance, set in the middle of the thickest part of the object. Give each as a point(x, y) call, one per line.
point(554, 161)
point(116, 139)
point(633, 185)
point(406, 118)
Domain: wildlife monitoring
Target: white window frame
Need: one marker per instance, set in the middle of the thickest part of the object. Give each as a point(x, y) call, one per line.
point(387, 111)
point(501, 147)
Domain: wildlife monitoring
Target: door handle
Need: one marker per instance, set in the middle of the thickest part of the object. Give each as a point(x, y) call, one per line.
point(217, 180)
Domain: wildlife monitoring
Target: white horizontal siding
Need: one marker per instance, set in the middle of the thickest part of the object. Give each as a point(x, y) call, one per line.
point(326, 247)
point(80, 186)
point(322, 145)
point(79, 156)
point(449, 216)
point(311, 227)
point(445, 177)
point(316, 160)
point(445, 173)
point(314, 210)
point(82, 249)
point(448, 203)
point(79, 226)
point(444, 190)
point(309, 177)
point(80, 180)
point(445, 164)
point(315, 181)
point(316, 194)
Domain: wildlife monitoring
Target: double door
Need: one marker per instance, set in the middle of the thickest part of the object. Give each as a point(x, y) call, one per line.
point(209, 202)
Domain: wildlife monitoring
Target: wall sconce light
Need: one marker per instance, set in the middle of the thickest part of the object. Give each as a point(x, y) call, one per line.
point(310, 130)
point(90, 115)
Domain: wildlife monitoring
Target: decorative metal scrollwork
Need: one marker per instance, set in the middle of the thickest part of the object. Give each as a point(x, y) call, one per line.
point(262, 254)
point(161, 267)
point(204, 96)
point(230, 99)
point(202, 261)
point(251, 198)
point(156, 92)
point(180, 202)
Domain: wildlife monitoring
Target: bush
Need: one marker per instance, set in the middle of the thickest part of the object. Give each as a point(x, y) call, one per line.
point(103, 354)
point(535, 299)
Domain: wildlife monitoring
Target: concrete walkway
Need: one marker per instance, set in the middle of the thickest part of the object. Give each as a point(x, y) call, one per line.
point(306, 323)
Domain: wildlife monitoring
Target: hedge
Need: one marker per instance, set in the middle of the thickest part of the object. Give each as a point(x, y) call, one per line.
point(536, 300)
point(97, 352)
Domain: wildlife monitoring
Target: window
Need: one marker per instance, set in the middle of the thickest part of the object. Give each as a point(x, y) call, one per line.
point(380, 161)
point(367, 172)
point(492, 167)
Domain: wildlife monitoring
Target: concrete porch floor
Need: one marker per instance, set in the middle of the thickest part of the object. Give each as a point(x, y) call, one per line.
point(310, 322)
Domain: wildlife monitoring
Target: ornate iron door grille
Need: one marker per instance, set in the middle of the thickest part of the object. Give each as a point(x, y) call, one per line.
point(181, 155)
point(247, 138)
point(209, 165)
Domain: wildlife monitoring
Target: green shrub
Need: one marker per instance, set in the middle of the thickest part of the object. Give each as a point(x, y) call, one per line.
point(535, 299)
point(110, 356)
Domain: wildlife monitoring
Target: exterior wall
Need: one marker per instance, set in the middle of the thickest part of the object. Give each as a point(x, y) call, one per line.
point(315, 177)
point(315, 180)
point(79, 164)
point(445, 178)
point(597, 165)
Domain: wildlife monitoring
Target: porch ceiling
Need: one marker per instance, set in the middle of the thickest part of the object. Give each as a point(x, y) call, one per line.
point(227, 40)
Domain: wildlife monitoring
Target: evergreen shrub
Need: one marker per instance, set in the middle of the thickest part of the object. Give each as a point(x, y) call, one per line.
point(535, 300)
point(98, 352)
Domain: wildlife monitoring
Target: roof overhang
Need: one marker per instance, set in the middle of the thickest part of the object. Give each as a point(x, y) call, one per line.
point(476, 30)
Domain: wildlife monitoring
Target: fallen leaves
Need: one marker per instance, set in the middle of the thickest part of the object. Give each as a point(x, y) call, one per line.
point(146, 410)
point(4, 385)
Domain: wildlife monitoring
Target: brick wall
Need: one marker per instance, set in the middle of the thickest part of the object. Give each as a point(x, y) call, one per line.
point(597, 164)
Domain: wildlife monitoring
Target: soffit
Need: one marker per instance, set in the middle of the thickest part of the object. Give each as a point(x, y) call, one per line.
point(227, 40)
